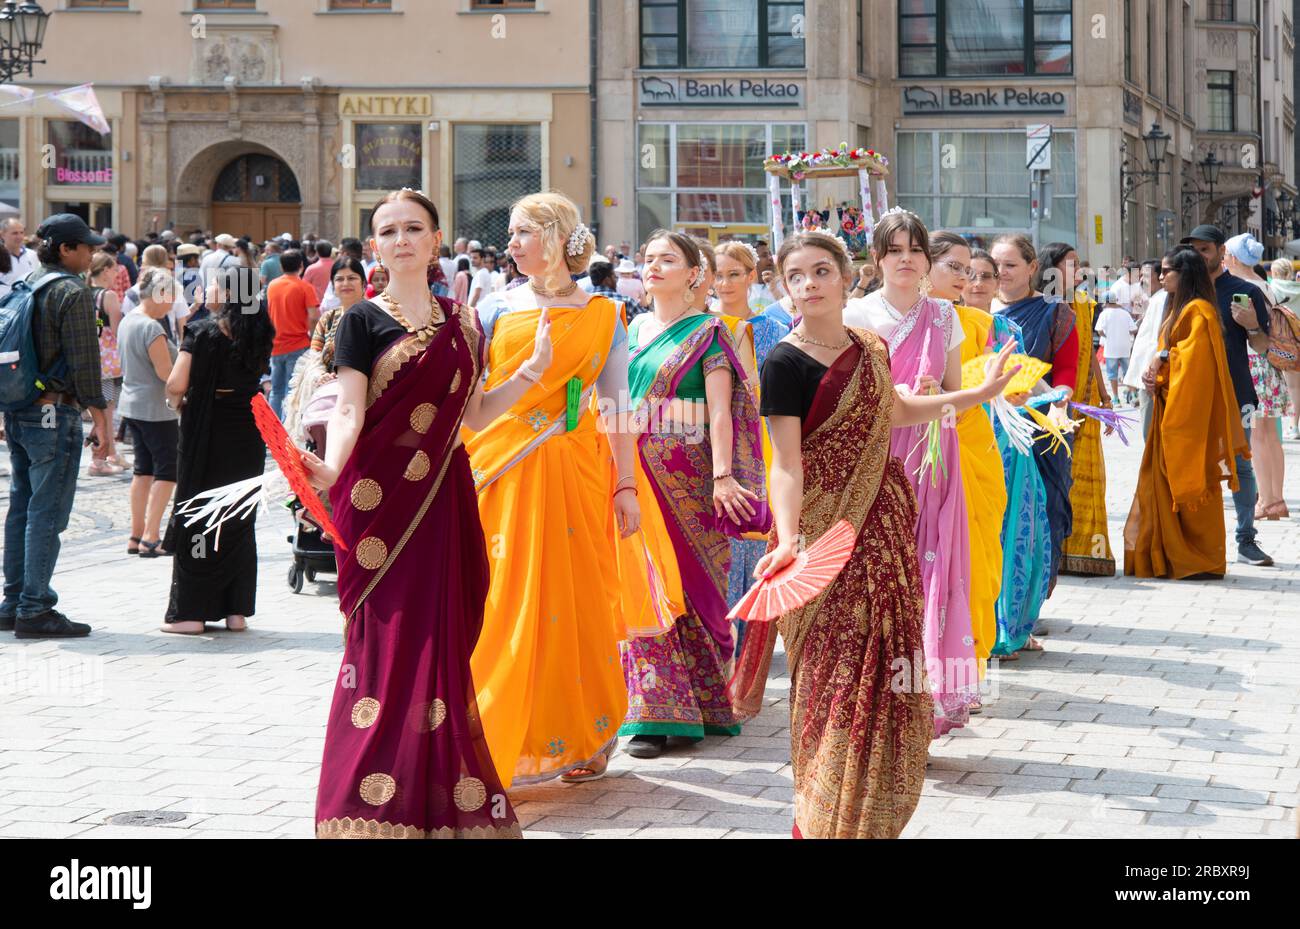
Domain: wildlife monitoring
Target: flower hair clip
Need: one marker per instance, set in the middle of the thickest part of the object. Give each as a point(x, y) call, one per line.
point(898, 209)
point(753, 252)
point(697, 279)
point(578, 240)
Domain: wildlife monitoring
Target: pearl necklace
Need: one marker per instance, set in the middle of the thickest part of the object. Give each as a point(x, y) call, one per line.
point(423, 333)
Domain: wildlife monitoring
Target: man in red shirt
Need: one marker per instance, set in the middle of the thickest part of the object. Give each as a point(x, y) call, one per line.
point(318, 275)
point(293, 307)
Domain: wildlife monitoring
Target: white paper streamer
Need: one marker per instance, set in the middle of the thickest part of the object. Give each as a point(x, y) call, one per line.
point(882, 197)
point(864, 191)
point(794, 203)
point(778, 223)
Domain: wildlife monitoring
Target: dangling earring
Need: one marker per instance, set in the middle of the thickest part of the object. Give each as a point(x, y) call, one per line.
point(925, 286)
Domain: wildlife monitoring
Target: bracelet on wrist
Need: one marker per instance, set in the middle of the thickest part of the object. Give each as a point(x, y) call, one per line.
point(629, 481)
point(722, 477)
point(621, 489)
point(527, 374)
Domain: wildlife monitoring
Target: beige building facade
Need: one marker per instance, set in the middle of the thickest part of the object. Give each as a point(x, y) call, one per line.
point(690, 100)
point(258, 117)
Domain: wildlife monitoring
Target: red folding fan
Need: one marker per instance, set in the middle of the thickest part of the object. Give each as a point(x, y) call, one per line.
point(809, 574)
point(288, 457)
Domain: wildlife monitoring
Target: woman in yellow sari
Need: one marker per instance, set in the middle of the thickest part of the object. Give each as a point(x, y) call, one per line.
point(982, 476)
point(550, 685)
point(1175, 528)
point(1087, 548)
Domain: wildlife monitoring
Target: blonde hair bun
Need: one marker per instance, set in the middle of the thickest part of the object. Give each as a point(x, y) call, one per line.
point(564, 236)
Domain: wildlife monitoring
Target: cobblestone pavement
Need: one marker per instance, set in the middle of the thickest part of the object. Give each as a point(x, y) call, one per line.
point(1158, 709)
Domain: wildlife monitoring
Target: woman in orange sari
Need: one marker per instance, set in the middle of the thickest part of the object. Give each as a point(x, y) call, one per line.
point(861, 714)
point(1175, 528)
point(404, 751)
point(550, 685)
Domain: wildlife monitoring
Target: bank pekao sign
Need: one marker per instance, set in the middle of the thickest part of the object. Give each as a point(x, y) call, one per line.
point(970, 100)
point(654, 90)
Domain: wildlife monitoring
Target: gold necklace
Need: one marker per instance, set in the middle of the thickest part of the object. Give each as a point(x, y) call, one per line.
point(835, 348)
point(559, 294)
point(423, 333)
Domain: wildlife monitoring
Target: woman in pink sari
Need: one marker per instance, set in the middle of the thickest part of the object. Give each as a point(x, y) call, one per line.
point(404, 752)
point(924, 337)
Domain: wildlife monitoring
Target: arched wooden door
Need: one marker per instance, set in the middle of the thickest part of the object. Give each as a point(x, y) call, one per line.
point(257, 196)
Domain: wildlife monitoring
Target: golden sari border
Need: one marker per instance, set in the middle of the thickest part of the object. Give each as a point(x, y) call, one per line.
point(348, 828)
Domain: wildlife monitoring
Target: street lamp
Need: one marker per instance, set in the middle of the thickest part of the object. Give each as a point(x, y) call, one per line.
point(1157, 144)
point(1210, 168)
point(22, 33)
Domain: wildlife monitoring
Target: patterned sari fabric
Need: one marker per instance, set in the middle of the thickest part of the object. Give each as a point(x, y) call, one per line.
point(1175, 528)
point(1045, 326)
point(404, 754)
point(861, 714)
point(746, 553)
point(1087, 550)
point(1026, 532)
point(677, 681)
point(984, 485)
point(919, 347)
point(550, 687)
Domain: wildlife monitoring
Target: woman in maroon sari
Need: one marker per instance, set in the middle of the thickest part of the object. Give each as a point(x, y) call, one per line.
point(860, 707)
point(404, 754)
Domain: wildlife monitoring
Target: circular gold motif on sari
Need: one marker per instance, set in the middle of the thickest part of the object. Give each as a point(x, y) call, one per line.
point(371, 553)
point(366, 494)
point(422, 417)
point(418, 469)
point(470, 794)
point(437, 713)
point(365, 712)
point(378, 789)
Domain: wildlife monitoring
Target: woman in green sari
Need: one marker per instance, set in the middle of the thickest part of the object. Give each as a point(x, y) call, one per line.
point(700, 460)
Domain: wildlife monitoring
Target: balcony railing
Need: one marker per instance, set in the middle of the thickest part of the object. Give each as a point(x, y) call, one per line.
point(8, 164)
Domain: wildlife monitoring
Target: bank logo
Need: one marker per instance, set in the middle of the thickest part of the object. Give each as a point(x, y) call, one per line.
point(657, 89)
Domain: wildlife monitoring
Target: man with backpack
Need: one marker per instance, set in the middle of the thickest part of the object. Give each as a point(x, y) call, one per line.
point(49, 371)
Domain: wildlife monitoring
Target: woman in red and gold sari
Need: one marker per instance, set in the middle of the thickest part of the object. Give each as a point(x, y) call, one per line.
point(861, 714)
point(556, 486)
point(404, 753)
point(701, 464)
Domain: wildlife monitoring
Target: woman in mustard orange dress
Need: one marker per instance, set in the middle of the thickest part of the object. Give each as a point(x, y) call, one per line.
point(555, 490)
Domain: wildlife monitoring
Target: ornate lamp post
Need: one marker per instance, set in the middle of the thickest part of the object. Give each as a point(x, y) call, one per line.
point(22, 33)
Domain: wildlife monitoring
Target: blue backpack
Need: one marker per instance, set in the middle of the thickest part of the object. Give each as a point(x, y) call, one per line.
point(21, 379)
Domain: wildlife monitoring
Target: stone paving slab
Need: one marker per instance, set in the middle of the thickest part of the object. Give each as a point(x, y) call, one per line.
point(1159, 709)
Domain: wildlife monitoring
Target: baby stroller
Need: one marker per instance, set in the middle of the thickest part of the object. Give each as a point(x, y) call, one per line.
point(312, 553)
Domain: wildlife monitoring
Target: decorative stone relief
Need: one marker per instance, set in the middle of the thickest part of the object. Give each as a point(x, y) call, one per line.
point(250, 55)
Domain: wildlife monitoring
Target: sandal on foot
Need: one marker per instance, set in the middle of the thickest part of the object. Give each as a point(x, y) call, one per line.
point(1275, 511)
point(584, 773)
point(1033, 645)
point(153, 550)
point(193, 627)
point(134, 547)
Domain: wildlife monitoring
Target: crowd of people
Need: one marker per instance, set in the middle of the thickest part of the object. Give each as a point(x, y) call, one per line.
point(554, 470)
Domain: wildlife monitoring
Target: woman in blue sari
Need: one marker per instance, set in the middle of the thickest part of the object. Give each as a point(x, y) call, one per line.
point(1047, 333)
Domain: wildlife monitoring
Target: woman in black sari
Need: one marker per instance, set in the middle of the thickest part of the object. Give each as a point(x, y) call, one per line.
point(218, 371)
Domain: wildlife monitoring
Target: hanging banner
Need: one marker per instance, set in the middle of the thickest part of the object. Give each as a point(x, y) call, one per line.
point(795, 205)
point(882, 197)
point(82, 102)
point(778, 224)
point(864, 191)
point(20, 94)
